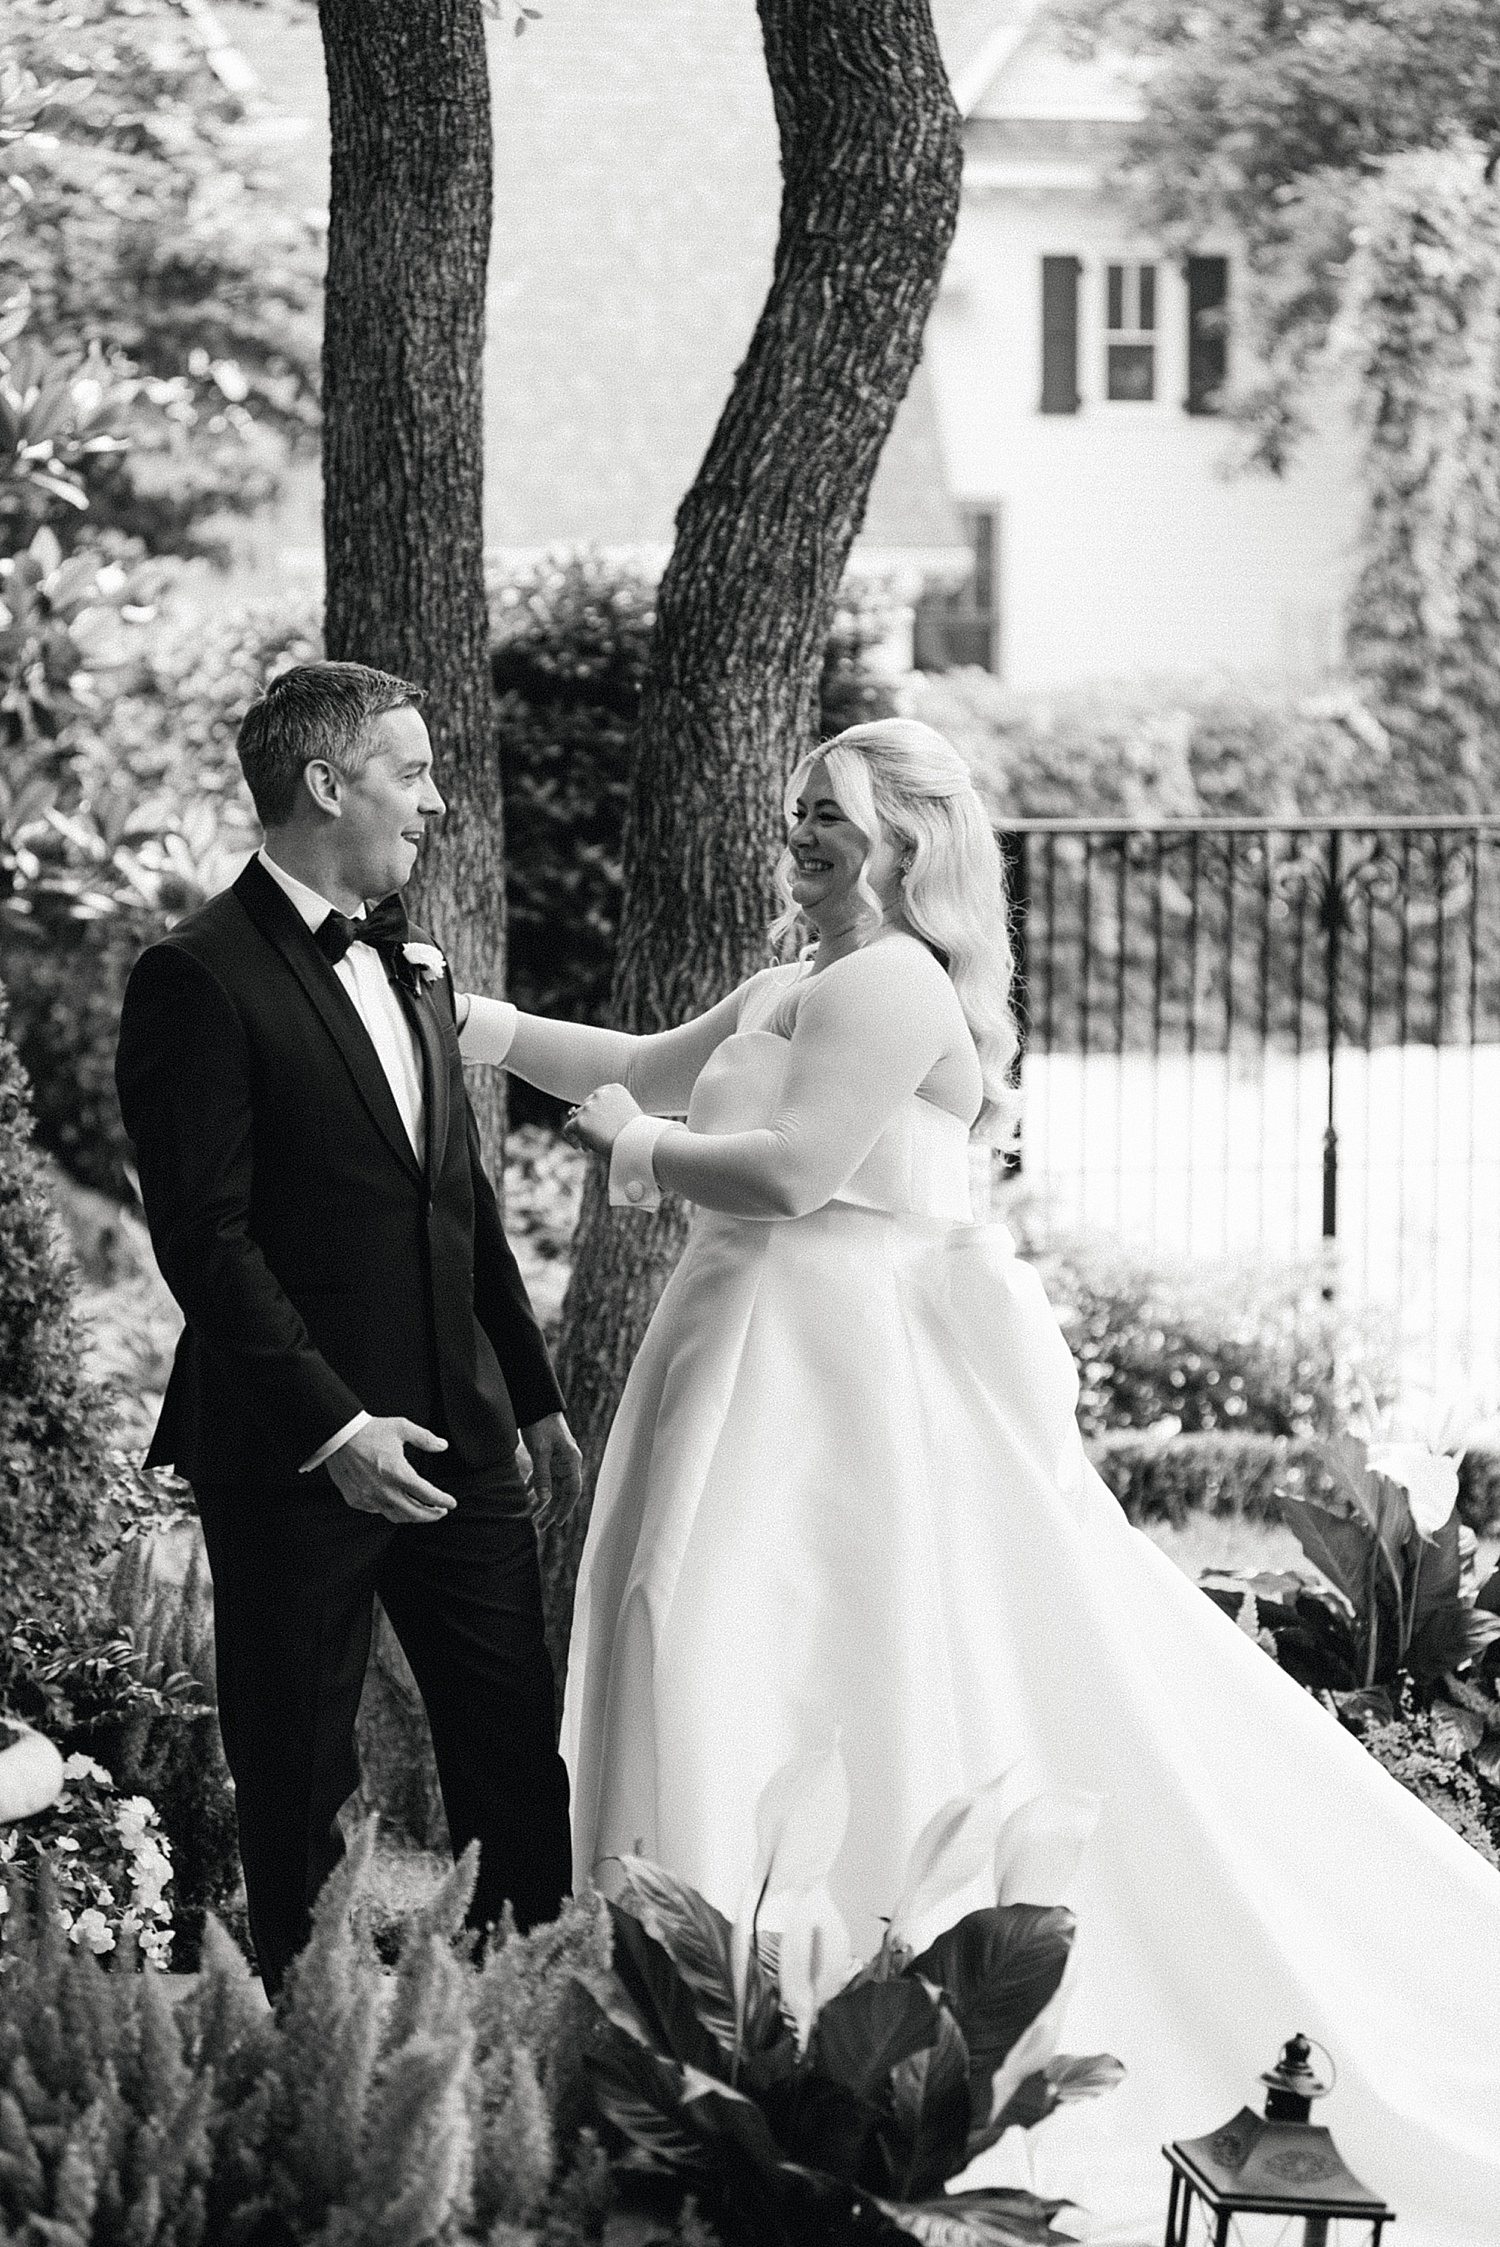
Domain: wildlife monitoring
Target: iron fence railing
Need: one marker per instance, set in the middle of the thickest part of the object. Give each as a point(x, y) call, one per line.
point(1274, 1035)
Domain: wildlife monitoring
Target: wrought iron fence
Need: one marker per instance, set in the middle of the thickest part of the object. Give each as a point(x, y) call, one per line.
point(1280, 1038)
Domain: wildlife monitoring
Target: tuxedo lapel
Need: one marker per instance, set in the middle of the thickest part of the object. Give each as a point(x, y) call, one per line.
point(280, 923)
point(424, 1018)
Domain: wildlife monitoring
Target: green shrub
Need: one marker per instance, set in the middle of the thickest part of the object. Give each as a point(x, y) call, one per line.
point(55, 1470)
point(1184, 749)
point(1407, 1745)
point(432, 2106)
point(1212, 1473)
point(1236, 1348)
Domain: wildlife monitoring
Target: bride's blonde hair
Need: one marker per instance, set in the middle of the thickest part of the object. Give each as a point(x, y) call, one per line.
point(902, 777)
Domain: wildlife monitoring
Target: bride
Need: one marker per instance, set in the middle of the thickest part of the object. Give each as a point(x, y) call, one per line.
point(845, 1490)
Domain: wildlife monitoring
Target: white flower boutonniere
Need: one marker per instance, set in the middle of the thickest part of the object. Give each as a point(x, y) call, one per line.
point(426, 959)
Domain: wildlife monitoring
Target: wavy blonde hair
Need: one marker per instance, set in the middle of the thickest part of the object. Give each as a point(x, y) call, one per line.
point(899, 777)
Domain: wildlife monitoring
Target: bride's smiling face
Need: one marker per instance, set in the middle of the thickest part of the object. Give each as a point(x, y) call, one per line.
point(828, 851)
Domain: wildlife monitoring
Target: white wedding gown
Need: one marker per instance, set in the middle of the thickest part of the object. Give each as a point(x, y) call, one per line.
point(845, 1489)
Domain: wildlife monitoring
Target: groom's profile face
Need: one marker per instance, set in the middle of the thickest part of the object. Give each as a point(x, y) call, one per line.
point(386, 808)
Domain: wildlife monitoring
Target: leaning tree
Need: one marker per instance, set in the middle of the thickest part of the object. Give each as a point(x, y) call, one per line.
point(403, 450)
point(870, 160)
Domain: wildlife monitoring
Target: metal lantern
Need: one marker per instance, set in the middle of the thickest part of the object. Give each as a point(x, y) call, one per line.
point(1278, 2165)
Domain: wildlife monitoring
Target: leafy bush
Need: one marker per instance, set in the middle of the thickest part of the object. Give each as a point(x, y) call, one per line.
point(1406, 1740)
point(812, 2101)
point(123, 808)
point(1158, 1477)
point(436, 2106)
point(1170, 749)
point(1244, 1349)
point(148, 252)
point(55, 1471)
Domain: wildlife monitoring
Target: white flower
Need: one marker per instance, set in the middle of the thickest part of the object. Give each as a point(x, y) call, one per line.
point(132, 1817)
point(93, 1929)
point(4, 1899)
point(426, 958)
point(65, 1844)
point(78, 1766)
point(1429, 1478)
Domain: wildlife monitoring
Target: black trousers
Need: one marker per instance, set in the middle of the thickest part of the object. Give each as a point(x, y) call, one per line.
point(295, 1572)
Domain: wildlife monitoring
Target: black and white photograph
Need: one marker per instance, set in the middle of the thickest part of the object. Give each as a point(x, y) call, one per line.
point(749, 1123)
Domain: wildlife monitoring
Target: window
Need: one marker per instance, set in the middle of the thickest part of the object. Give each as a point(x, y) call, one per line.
point(1207, 333)
point(1130, 332)
point(963, 627)
point(1060, 335)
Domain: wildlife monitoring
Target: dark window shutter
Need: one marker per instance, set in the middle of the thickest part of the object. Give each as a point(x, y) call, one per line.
point(1060, 335)
point(1208, 333)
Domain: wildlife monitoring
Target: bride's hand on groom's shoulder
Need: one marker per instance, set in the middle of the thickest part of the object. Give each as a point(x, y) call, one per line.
point(372, 1473)
point(556, 1469)
point(596, 1123)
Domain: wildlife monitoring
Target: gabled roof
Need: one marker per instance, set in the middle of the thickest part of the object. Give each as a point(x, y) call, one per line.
point(636, 197)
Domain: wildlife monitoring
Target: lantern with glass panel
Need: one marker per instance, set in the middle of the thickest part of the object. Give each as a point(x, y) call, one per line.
point(1274, 2179)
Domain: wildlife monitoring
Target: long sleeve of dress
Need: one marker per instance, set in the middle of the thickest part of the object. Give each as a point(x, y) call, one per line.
point(572, 1059)
point(869, 1032)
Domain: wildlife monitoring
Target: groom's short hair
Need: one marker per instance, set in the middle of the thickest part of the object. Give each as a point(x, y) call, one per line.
point(312, 711)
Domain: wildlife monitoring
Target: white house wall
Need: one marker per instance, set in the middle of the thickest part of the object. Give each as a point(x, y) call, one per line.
point(1126, 551)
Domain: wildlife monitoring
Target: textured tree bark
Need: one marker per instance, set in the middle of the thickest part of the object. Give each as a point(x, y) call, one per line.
point(403, 455)
point(871, 160)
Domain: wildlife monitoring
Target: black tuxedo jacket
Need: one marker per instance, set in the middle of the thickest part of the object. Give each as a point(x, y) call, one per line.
point(322, 1267)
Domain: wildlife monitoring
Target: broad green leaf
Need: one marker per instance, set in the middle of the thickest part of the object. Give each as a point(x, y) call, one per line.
point(930, 2114)
point(826, 2126)
point(726, 2118)
point(863, 2033)
point(661, 1996)
point(1340, 1549)
point(1450, 1637)
point(997, 2218)
point(1438, 1567)
point(1065, 2078)
point(1489, 1596)
point(696, 1939)
point(998, 1970)
point(641, 2095)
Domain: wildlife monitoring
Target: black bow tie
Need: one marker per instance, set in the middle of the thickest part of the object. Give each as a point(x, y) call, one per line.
point(385, 927)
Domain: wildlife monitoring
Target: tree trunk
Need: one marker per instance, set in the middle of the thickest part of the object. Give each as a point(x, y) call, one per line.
point(403, 454)
point(871, 159)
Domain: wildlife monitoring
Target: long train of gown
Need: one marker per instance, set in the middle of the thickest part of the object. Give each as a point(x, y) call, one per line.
point(846, 1488)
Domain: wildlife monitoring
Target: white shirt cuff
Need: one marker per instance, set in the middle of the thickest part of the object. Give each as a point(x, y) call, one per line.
point(335, 1443)
point(632, 1182)
point(488, 1031)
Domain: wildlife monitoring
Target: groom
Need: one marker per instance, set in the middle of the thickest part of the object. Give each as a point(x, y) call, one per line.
point(360, 1355)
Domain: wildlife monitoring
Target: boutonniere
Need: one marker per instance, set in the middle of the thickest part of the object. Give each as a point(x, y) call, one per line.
point(426, 959)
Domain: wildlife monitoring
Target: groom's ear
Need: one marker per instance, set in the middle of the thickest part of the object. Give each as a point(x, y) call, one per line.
point(325, 784)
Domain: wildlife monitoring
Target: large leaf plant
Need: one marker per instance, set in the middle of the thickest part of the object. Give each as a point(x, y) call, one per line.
point(801, 2098)
point(1396, 1603)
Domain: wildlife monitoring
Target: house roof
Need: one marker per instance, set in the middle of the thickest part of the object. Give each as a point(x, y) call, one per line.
point(636, 196)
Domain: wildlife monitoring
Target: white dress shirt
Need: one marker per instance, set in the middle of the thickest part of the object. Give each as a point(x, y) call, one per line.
point(362, 973)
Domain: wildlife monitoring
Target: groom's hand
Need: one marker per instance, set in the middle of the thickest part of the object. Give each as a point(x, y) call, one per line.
point(372, 1473)
point(556, 1469)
